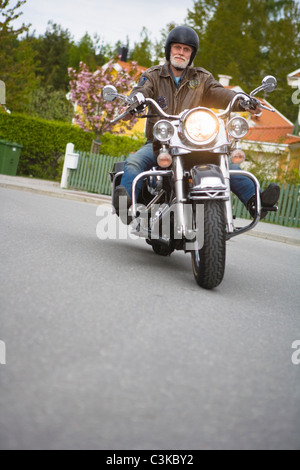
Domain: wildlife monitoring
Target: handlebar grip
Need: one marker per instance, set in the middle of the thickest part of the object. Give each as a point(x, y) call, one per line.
point(254, 103)
point(251, 103)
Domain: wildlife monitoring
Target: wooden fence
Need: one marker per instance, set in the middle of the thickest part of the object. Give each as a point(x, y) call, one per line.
point(92, 174)
point(288, 213)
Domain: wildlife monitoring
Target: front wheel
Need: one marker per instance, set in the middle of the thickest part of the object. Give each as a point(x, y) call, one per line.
point(209, 262)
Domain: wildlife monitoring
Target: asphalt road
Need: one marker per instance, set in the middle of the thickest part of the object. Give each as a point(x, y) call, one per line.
point(109, 346)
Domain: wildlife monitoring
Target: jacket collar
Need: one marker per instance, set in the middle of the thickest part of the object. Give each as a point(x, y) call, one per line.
point(165, 71)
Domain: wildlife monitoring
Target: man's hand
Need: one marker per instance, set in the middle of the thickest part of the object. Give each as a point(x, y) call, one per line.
point(140, 106)
point(251, 106)
point(257, 110)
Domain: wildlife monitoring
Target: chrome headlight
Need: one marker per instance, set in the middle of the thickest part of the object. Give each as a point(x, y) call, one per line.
point(163, 131)
point(200, 126)
point(237, 127)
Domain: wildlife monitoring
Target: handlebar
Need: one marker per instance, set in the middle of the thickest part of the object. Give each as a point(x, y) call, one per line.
point(139, 101)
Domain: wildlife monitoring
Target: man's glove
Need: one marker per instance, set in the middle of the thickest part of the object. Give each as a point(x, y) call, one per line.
point(139, 102)
point(252, 105)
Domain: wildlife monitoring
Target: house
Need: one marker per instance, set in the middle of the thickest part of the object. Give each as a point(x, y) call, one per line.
point(293, 80)
point(139, 127)
point(270, 136)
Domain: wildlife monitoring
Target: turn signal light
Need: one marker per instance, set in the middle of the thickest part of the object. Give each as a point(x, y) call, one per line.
point(238, 156)
point(164, 159)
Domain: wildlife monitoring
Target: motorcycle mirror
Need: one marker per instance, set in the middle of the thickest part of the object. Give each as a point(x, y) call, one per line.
point(109, 93)
point(269, 83)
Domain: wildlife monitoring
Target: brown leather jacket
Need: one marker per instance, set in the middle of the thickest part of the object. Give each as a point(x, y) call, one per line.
point(198, 88)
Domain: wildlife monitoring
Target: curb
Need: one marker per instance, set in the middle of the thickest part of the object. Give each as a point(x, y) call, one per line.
point(274, 237)
point(101, 199)
point(62, 194)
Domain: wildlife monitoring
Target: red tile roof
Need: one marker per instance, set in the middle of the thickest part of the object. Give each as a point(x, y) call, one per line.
point(272, 128)
point(127, 66)
point(275, 135)
point(295, 74)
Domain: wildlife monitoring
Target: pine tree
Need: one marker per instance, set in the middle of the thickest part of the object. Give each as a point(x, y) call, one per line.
point(142, 51)
point(17, 59)
point(248, 39)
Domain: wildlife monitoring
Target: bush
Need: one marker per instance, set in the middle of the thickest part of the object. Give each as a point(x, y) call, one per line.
point(44, 143)
point(120, 145)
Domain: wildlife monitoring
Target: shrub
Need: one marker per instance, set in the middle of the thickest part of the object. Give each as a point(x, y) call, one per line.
point(120, 145)
point(44, 143)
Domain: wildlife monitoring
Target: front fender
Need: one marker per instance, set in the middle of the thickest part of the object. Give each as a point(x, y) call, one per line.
point(205, 177)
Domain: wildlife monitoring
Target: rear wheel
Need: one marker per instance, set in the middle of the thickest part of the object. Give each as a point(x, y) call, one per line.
point(209, 261)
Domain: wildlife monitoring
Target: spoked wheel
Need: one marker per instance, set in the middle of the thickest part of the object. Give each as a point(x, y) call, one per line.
point(209, 261)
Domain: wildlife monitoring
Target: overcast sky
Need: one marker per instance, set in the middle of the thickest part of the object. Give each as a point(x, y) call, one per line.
point(112, 20)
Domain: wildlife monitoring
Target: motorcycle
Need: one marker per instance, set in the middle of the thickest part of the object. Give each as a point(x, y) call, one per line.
point(185, 202)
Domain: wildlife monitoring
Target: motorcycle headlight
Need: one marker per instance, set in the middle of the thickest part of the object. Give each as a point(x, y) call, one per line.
point(237, 127)
point(163, 131)
point(200, 126)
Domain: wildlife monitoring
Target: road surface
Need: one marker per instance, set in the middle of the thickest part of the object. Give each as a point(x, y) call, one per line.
point(109, 346)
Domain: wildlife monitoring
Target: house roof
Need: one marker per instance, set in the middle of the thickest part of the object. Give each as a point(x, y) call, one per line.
point(273, 128)
point(127, 66)
point(273, 135)
point(296, 74)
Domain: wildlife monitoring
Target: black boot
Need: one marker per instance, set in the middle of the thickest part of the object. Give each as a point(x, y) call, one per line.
point(269, 199)
point(122, 209)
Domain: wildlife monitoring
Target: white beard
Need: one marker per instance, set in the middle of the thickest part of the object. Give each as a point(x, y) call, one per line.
point(179, 64)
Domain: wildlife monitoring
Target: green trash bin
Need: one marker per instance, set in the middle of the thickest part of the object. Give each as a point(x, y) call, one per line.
point(9, 157)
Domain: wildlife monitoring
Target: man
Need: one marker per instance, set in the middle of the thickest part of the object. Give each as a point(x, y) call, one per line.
point(177, 86)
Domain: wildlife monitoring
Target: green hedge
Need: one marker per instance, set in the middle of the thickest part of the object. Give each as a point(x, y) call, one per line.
point(44, 143)
point(120, 145)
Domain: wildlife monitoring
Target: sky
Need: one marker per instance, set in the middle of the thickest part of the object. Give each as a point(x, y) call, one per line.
point(112, 20)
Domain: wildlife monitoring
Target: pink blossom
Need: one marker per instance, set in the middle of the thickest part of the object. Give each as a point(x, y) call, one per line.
point(86, 90)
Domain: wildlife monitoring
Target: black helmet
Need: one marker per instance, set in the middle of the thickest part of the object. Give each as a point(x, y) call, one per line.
point(182, 35)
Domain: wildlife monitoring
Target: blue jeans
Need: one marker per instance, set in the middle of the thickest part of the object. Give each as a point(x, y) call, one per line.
point(144, 160)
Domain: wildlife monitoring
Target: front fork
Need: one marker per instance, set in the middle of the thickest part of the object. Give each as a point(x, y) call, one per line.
point(178, 172)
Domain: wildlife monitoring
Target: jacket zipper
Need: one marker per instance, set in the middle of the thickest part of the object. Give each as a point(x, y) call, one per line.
point(176, 95)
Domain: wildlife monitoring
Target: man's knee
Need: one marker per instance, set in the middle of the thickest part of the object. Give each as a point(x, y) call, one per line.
point(133, 162)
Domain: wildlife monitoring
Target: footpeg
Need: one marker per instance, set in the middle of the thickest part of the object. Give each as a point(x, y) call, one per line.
point(270, 209)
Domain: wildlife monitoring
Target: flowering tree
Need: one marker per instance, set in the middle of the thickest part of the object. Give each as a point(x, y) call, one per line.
point(94, 113)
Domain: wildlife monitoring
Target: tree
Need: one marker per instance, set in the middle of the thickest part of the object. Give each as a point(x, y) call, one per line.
point(91, 51)
point(228, 39)
point(17, 60)
point(8, 16)
point(51, 105)
point(282, 53)
point(53, 51)
point(95, 114)
point(142, 51)
point(248, 39)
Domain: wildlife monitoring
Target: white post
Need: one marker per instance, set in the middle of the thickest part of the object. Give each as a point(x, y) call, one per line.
point(70, 162)
point(2, 353)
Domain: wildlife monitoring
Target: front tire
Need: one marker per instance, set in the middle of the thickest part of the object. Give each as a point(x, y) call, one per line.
point(209, 262)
